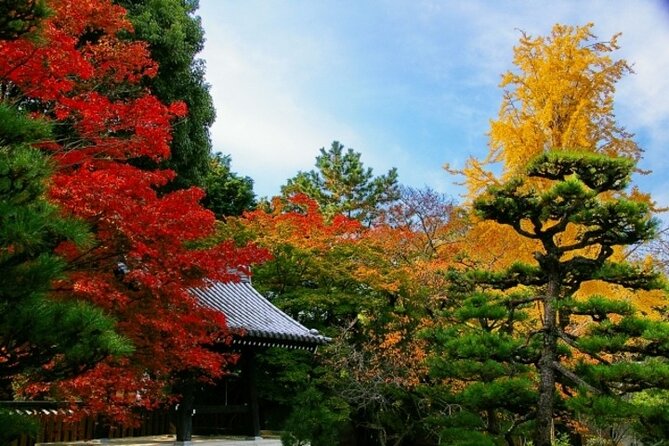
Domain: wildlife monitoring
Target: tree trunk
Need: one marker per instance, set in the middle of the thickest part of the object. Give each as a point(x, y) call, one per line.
point(543, 435)
point(508, 437)
point(493, 425)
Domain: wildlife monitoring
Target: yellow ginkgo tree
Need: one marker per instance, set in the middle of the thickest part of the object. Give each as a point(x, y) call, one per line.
point(559, 96)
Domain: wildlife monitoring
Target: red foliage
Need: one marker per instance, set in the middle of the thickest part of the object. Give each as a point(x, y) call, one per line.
point(79, 74)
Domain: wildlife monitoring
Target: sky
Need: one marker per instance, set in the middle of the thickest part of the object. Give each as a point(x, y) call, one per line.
point(410, 84)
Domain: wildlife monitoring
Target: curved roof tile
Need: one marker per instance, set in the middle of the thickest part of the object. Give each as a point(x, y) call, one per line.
point(248, 310)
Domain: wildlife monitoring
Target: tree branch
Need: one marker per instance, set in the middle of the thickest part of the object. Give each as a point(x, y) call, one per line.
point(518, 421)
point(516, 303)
point(574, 377)
point(566, 338)
point(524, 233)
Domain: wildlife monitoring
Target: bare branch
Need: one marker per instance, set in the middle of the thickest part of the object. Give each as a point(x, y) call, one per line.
point(569, 340)
point(574, 377)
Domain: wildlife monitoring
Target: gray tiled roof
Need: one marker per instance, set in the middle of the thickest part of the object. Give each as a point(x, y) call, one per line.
point(263, 323)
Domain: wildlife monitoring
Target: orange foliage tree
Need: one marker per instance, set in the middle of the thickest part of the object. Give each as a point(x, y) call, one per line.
point(371, 289)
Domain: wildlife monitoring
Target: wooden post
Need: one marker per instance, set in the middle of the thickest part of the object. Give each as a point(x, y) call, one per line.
point(248, 372)
point(184, 412)
point(101, 430)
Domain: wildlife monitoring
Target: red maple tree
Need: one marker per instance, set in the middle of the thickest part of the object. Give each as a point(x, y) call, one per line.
point(86, 78)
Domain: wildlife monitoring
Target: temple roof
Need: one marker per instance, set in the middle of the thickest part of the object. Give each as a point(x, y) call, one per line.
point(263, 324)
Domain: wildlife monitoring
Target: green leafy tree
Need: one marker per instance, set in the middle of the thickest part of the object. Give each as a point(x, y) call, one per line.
point(227, 192)
point(342, 185)
point(42, 334)
point(175, 36)
point(596, 349)
point(319, 414)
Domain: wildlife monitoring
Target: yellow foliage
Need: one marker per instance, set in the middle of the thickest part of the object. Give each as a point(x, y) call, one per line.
point(646, 302)
point(494, 246)
point(559, 97)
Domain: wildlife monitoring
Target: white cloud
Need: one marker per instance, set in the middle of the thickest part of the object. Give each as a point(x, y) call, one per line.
point(262, 121)
point(642, 95)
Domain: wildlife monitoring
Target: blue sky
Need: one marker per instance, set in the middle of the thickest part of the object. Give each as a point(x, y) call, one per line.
point(409, 84)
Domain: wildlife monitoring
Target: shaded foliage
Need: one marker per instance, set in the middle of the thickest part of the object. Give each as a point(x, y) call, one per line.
point(20, 17)
point(227, 192)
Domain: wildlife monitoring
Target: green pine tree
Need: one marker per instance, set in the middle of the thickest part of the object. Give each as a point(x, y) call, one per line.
point(20, 17)
point(342, 185)
point(509, 367)
point(482, 365)
point(36, 329)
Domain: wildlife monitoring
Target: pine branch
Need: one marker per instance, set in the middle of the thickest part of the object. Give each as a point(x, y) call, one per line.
point(517, 303)
point(524, 233)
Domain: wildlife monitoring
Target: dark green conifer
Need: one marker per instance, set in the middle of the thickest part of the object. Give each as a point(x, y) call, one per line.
point(227, 192)
point(498, 363)
point(20, 17)
point(342, 185)
point(37, 328)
